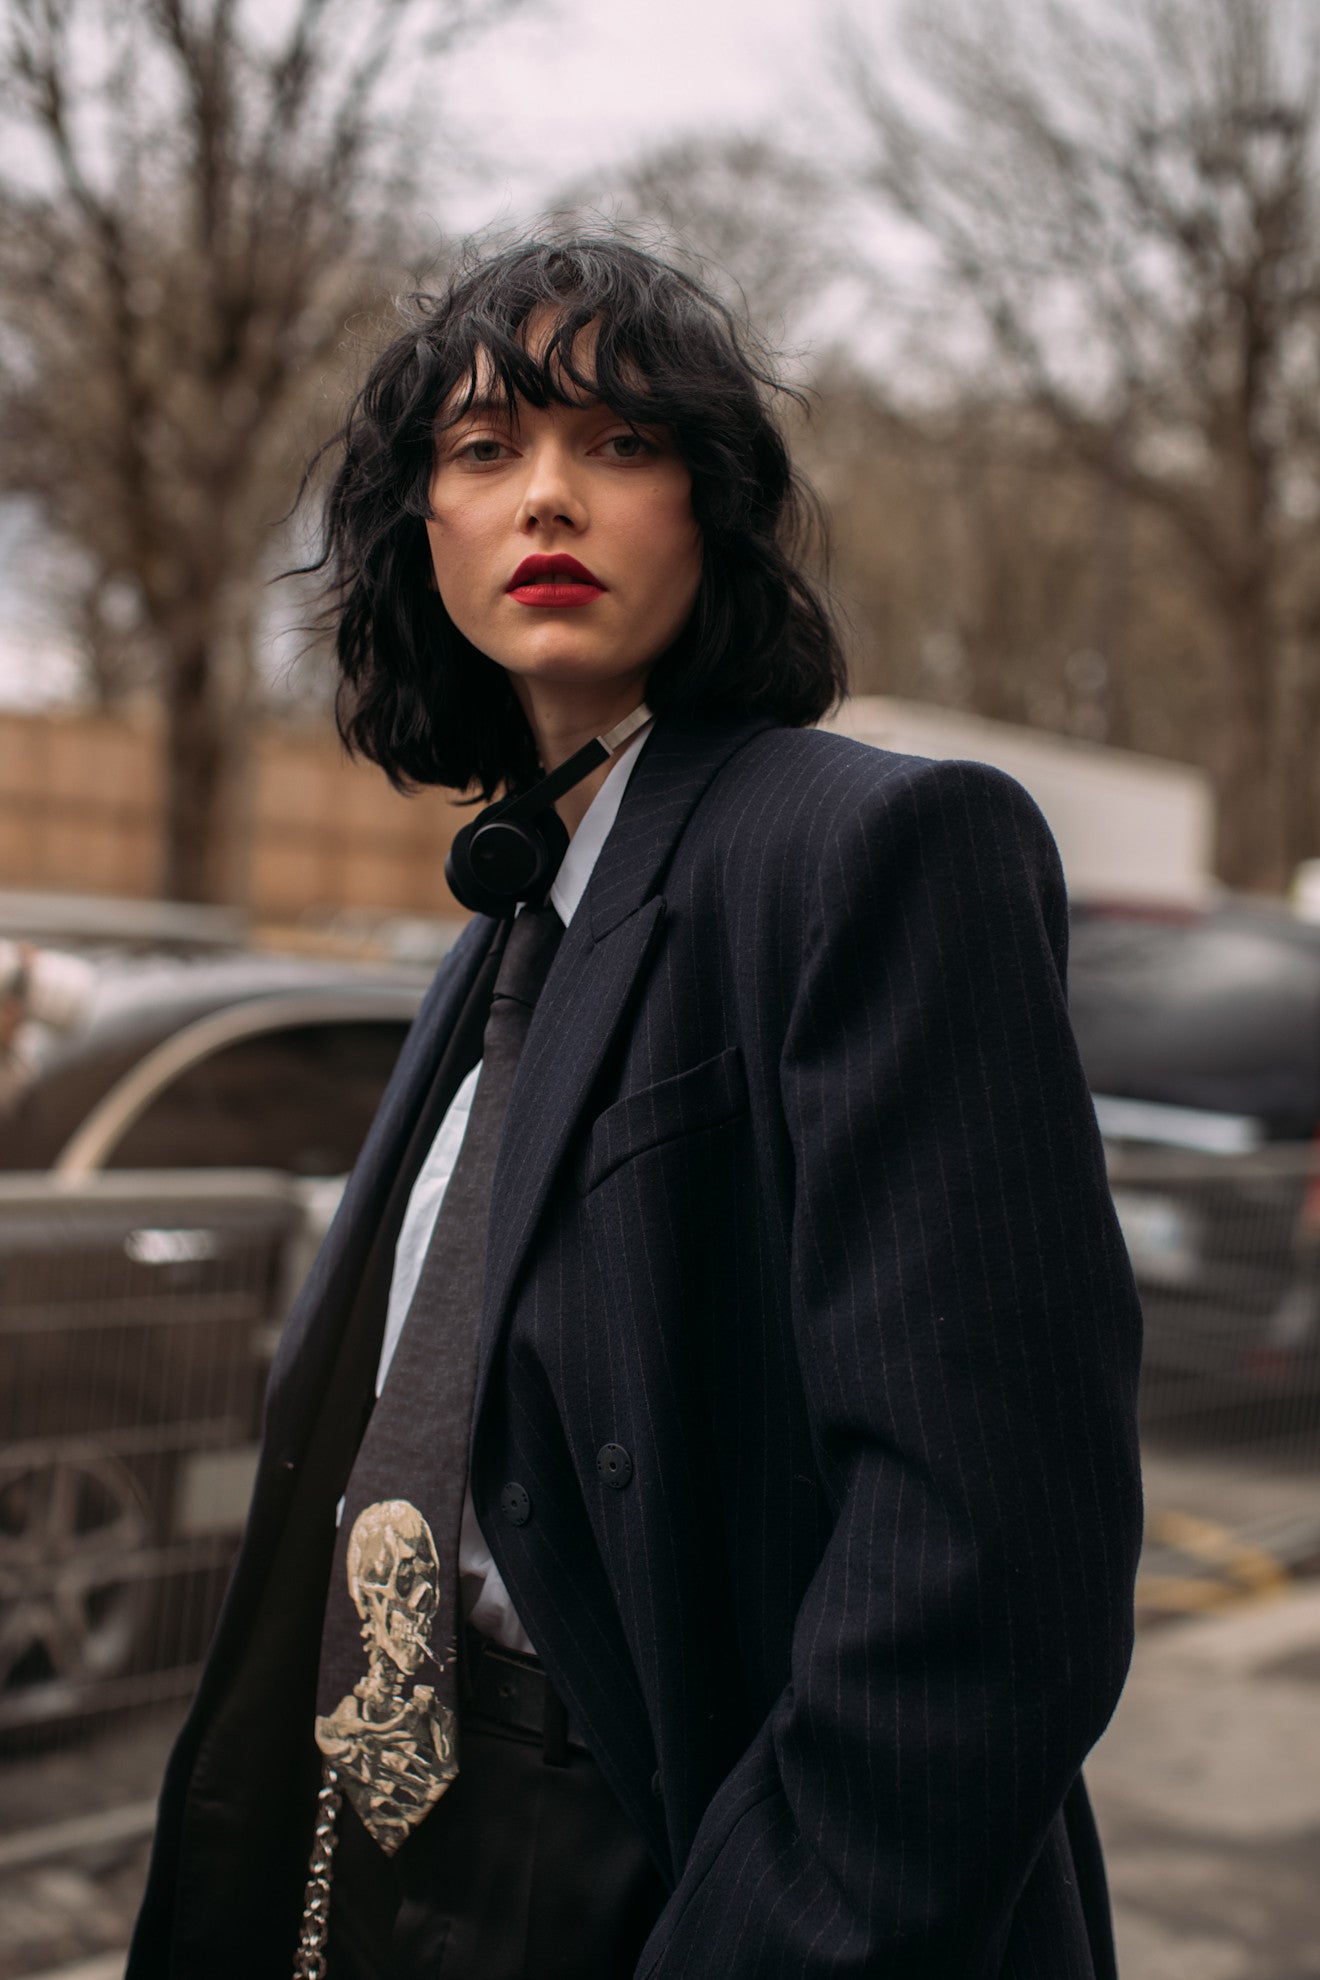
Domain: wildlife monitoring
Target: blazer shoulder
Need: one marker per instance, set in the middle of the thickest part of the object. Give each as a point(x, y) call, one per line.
point(815, 787)
point(835, 839)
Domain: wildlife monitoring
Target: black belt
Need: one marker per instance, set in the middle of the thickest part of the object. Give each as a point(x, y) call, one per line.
point(514, 1691)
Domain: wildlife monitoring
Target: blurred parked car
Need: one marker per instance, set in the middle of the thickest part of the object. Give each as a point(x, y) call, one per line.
point(222, 1061)
point(194, 1126)
point(1216, 1013)
point(1200, 1033)
point(115, 925)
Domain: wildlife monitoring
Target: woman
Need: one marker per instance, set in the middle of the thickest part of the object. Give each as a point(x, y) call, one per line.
point(736, 1567)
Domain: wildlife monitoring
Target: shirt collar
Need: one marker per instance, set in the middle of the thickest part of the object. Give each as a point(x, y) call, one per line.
point(570, 883)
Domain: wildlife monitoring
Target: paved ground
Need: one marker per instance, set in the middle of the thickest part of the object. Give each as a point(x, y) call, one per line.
point(80, 1902)
point(1225, 1507)
point(1207, 1787)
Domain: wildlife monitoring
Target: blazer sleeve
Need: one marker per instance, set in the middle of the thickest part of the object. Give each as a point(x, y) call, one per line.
point(969, 1338)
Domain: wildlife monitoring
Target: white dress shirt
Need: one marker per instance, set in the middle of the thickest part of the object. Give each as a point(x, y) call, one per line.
point(485, 1599)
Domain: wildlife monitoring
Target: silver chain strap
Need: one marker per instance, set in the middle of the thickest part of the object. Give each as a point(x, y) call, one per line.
point(309, 1960)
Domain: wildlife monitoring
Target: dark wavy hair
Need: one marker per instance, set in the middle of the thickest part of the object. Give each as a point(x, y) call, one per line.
point(418, 698)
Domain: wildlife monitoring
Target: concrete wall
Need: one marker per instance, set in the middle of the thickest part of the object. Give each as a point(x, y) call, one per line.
point(80, 809)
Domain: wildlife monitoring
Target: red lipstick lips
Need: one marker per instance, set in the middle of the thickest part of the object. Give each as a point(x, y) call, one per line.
point(554, 581)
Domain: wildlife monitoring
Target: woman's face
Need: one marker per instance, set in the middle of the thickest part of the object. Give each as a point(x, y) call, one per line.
point(563, 543)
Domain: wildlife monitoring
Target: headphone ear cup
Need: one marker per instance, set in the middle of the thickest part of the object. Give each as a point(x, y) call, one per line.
point(495, 862)
point(551, 830)
point(461, 881)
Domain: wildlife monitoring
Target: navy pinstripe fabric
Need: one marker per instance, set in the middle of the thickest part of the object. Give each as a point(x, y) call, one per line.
point(801, 1201)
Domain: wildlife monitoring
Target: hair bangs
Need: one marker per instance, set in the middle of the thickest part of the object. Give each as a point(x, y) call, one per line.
point(584, 355)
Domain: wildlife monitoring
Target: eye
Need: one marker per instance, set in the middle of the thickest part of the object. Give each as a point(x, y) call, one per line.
point(481, 453)
point(628, 446)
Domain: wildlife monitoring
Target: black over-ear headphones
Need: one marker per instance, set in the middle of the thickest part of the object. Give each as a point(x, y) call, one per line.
point(513, 849)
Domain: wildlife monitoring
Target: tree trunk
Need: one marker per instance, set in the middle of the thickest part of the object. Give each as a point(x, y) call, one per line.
point(1299, 749)
point(1252, 851)
point(199, 754)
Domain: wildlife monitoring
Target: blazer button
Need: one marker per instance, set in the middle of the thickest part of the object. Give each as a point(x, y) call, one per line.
point(515, 1504)
point(614, 1465)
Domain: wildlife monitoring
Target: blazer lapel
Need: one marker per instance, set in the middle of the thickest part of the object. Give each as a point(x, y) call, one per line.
point(588, 990)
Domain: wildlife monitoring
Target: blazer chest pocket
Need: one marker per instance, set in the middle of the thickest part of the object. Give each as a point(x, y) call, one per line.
point(701, 1096)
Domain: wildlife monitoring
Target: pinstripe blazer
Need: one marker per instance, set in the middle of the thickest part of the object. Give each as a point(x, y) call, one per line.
point(801, 1203)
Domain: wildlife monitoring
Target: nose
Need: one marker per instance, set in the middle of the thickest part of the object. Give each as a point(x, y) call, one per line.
point(552, 491)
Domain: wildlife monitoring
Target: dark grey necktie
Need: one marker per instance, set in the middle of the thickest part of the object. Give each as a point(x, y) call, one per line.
point(387, 1696)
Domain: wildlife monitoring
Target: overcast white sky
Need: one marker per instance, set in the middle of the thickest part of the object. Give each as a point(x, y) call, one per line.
point(580, 82)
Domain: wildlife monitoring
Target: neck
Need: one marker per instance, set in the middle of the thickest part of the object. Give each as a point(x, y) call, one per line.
point(561, 721)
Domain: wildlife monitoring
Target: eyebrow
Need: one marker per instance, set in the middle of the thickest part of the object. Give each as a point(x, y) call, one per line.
point(483, 406)
point(494, 405)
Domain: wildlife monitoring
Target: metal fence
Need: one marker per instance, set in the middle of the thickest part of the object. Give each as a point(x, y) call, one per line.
point(138, 1315)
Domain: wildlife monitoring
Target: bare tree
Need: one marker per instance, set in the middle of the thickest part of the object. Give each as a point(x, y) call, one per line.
point(199, 195)
point(980, 566)
point(751, 217)
point(1124, 199)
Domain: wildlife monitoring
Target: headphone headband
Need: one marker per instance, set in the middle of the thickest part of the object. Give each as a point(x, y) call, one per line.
point(574, 768)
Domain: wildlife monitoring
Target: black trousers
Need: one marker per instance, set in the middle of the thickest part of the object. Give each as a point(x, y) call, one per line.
point(523, 1871)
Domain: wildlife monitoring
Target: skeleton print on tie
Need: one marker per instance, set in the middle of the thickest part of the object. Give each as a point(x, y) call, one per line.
point(396, 1752)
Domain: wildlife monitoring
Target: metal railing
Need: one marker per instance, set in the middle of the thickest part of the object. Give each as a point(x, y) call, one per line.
point(138, 1315)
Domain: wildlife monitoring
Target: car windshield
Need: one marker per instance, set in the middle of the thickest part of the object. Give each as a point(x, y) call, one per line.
point(299, 1098)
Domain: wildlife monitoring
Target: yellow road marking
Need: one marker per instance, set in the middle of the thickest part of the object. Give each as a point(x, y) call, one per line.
point(1244, 1574)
